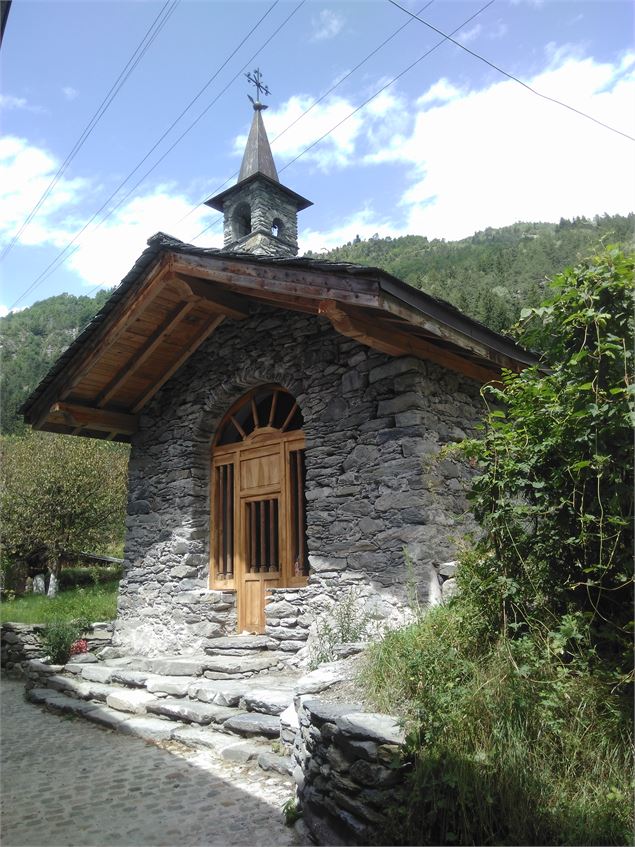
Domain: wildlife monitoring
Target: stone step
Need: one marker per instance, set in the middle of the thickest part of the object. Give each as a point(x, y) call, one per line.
point(191, 710)
point(239, 645)
point(134, 700)
point(253, 723)
point(156, 729)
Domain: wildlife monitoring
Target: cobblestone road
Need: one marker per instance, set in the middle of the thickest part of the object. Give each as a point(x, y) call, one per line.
point(66, 783)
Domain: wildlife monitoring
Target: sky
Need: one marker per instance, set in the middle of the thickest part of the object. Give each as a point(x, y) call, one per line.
point(441, 145)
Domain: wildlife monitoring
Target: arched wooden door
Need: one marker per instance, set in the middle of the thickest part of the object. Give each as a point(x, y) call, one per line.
point(258, 524)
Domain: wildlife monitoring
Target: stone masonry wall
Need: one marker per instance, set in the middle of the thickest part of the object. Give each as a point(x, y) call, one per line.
point(20, 642)
point(378, 495)
point(348, 771)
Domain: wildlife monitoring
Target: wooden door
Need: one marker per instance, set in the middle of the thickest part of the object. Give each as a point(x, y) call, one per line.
point(258, 514)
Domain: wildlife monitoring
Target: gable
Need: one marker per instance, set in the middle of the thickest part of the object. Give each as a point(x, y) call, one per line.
point(177, 295)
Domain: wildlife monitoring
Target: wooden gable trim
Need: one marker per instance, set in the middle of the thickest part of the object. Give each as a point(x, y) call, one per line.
point(124, 313)
point(399, 343)
point(313, 285)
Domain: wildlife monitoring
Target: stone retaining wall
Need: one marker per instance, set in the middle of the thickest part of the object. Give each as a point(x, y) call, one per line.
point(348, 771)
point(20, 642)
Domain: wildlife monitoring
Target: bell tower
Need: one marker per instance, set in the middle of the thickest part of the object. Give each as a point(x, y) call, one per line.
point(260, 214)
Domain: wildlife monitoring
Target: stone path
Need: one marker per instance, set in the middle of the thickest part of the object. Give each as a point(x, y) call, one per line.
point(66, 783)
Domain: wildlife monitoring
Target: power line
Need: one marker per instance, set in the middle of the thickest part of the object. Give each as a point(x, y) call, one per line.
point(183, 134)
point(153, 31)
point(316, 102)
point(511, 76)
point(368, 100)
point(202, 114)
point(60, 258)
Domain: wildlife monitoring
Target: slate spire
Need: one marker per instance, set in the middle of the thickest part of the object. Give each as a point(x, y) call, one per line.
point(257, 157)
point(260, 214)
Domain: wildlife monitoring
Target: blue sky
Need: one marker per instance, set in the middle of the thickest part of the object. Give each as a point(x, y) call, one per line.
point(448, 149)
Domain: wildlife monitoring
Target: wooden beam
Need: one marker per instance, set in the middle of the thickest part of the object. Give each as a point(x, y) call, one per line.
point(231, 305)
point(242, 276)
point(88, 417)
point(396, 343)
point(437, 328)
point(127, 310)
point(144, 352)
point(198, 339)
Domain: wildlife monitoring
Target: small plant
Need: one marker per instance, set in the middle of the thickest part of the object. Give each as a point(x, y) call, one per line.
point(59, 638)
point(80, 646)
point(291, 811)
point(347, 621)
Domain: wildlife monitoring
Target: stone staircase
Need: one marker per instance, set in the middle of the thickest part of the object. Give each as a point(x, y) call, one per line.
point(233, 701)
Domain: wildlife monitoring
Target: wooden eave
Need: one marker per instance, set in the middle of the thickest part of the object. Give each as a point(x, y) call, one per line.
point(165, 313)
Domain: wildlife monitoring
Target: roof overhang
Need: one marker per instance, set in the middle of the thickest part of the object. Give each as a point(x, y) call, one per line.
point(218, 200)
point(177, 295)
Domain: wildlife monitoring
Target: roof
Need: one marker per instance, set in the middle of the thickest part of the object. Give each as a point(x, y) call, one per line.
point(176, 295)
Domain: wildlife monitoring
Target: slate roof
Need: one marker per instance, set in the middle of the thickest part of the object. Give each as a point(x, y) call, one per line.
point(161, 242)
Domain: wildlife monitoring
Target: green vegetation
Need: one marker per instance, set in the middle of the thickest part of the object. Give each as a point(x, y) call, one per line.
point(98, 603)
point(79, 576)
point(518, 694)
point(32, 340)
point(60, 635)
point(346, 622)
point(493, 274)
point(59, 496)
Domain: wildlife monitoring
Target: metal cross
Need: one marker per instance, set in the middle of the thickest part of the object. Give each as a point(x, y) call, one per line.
point(256, 80)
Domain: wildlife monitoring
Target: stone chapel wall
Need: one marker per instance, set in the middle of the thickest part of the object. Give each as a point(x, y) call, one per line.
point(377, 491)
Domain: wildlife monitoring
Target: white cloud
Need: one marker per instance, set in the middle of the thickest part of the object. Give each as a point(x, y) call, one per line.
point(9, 102)
point(103, 255)
point(498, 31)
point(442, 90)
point(384, 116)
point(501, 154)
point(326, 25)
point(467, 35)
point(69, 92)
point(25, 173)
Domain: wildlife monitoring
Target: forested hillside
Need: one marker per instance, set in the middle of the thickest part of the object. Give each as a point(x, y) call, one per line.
point(495, 273)
point(31, 341)
point(490, 276)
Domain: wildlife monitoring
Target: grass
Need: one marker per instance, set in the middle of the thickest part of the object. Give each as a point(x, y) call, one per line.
point(508, 746)
point(95, 603)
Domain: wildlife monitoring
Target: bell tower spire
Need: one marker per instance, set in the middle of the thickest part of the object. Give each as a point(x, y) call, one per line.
point(260, 214)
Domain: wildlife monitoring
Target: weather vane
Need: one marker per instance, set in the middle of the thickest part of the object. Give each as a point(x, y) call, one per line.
point(256, 80)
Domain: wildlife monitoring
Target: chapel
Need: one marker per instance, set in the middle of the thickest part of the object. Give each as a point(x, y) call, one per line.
point(286, 418)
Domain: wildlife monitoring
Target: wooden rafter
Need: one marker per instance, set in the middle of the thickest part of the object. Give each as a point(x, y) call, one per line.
point(144, 352)
point(88, 417)
point(279, 280)
point(399, 343)
point(126, 311)
point(229, 304)
point(184, 354)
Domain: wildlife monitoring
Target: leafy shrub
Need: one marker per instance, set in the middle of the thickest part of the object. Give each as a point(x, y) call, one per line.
point(346, 622)
point(59, 636)
point(517, 694)
point(60, 495)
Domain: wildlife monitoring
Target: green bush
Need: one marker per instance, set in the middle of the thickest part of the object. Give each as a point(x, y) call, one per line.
point(59, 636)
point(517, 695)
point(60, 495)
